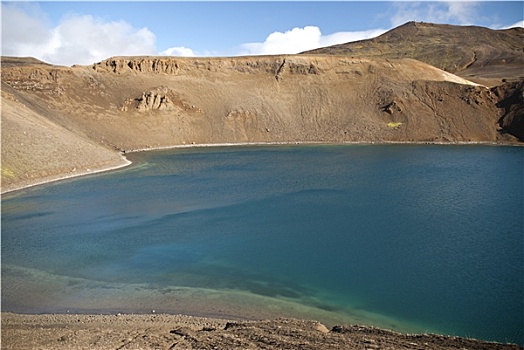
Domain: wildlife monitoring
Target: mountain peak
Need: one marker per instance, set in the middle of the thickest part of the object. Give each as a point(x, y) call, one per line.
point(469, 51)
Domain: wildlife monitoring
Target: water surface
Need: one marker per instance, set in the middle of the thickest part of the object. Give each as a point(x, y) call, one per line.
point(412, 238)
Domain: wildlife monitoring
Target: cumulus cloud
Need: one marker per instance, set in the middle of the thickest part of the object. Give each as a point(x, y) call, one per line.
point(77, 39)
point(292, 41)
point(345, 37)
point(459, 12)
point(302, 39)
point(23, 27)
point(178, 51)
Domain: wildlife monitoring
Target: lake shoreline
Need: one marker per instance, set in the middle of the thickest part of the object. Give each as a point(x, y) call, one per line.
point(125, 162)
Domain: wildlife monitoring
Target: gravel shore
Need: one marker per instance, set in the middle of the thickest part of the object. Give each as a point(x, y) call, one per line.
point(160, 331)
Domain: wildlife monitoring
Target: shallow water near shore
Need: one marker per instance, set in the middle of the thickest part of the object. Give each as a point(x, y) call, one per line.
point(408, 237)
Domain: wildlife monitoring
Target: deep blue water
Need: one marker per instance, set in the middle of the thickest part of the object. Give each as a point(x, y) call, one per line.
point(427, 237)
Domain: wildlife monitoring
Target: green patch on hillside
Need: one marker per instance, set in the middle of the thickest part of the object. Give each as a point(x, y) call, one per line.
point(394, 125)
point(8, 173)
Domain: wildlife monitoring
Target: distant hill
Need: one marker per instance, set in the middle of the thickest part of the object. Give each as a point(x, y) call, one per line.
point(9, 61)
point(476, 53)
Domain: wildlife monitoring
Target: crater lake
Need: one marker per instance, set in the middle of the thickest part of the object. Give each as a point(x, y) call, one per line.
point(413, 238)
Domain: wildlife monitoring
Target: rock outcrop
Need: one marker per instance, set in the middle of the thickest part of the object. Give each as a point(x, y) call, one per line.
point(511, 101)
point(155, 99)
point(152, 100)
point(141, 65)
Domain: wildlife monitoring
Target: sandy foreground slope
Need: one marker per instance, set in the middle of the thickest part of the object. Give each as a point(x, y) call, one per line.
point(186, 332)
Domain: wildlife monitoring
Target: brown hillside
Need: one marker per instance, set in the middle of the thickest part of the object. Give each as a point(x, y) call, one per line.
point(126, 103)
point(480, 54)
point(21, 61)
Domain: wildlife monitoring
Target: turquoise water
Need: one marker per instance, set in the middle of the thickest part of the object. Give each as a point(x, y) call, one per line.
point(409, 237)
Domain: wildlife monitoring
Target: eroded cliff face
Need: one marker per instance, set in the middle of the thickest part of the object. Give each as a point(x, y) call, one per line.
point(142, 65)
point(511, 101)
point(273, 65)
point(127, 103)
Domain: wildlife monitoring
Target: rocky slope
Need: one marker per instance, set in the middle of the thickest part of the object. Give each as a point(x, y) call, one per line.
point(476, 53)
point(61, 120)
point(35, 149)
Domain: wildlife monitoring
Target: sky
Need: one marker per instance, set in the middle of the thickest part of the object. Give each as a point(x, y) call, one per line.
point(74, 32)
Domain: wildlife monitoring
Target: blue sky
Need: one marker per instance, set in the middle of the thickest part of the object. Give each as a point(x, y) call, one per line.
point(86, 32)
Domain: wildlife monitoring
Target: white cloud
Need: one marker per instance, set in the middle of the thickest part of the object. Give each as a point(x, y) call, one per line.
point(23, 27)
point(178, 51)
point(514, 25)
point(345, 37)
point(459, 12)
point(464, 12)
point(78, 39)
point(292, 41)
point(302, 39)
